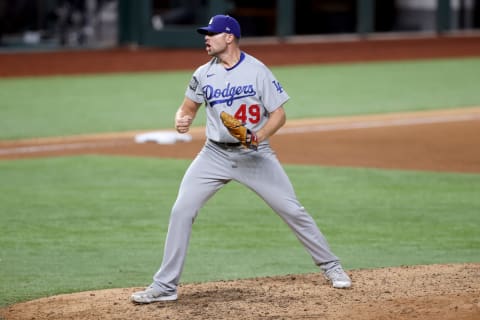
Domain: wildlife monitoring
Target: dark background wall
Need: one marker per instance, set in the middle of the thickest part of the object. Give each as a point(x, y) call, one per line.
point(100, 23)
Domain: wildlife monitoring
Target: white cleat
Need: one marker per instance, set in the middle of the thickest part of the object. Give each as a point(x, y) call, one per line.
point(153, 294)
point(338, 278)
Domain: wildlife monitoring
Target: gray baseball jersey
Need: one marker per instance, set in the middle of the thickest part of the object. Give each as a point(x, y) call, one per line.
point(250, 92)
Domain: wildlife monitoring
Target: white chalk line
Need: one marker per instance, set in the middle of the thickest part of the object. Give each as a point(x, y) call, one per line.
point(60, 147)
point(366, 124)
point(356, 124)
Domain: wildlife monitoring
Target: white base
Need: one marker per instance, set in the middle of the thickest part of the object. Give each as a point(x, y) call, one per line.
point(162, 137)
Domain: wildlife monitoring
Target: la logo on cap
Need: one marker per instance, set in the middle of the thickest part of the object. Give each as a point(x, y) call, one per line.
point(211, 21)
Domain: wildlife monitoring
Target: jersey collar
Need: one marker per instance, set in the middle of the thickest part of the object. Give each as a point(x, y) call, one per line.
point(242, 57)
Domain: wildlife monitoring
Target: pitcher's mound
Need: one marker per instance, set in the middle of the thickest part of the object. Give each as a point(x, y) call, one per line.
point(420, 292)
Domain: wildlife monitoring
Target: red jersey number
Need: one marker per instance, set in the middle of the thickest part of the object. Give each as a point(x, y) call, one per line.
point(249, 114)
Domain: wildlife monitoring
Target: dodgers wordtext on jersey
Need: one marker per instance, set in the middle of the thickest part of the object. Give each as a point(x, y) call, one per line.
point(228, 94)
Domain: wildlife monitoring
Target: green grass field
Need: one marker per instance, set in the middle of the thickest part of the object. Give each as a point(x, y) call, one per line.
point(53, 106)
point(79, 223)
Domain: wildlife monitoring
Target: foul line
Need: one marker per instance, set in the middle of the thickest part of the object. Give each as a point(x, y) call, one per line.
point(379, 123)
point(60, 147)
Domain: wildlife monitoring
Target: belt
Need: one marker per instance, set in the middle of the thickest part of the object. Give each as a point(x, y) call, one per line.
point(226, 144)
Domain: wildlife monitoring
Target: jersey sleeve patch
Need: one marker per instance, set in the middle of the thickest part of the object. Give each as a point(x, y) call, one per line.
point(193, 85)
point(278, 86)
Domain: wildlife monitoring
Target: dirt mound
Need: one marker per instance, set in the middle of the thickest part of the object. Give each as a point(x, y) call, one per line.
point(420, 292)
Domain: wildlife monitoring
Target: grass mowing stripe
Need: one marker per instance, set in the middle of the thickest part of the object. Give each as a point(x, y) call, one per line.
point(55, 106)
point(144, 101)
point(382, 87)
point(80, 223)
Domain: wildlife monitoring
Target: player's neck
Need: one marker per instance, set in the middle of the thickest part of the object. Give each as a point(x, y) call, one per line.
point(230, 57)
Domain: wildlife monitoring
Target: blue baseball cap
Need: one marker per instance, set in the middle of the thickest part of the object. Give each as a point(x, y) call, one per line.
point(222, 23)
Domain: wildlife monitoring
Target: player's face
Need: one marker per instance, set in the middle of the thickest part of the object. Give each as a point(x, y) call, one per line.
point(215, 43)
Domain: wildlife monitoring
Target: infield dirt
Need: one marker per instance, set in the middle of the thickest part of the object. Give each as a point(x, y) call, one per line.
point(437, 292)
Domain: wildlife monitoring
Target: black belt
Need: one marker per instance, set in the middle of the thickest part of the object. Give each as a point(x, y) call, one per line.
point(226, 144)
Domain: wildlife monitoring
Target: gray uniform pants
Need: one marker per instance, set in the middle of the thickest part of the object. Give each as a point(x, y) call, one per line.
point(260, 171)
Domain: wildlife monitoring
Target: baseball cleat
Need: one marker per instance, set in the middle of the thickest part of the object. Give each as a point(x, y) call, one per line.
point(338, 278)
point(153, 294)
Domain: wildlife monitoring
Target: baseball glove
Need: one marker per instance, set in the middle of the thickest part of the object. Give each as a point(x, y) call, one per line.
point(237, 129)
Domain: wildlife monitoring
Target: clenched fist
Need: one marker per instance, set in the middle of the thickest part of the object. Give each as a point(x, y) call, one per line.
point(183, 123)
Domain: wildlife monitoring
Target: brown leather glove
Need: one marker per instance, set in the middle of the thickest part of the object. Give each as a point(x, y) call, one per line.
point(237, 129)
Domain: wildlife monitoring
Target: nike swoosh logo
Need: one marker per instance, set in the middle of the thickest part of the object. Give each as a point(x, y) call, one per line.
point(210, 75)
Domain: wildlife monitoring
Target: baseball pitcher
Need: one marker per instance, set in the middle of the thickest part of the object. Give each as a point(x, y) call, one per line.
point(244, 103)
